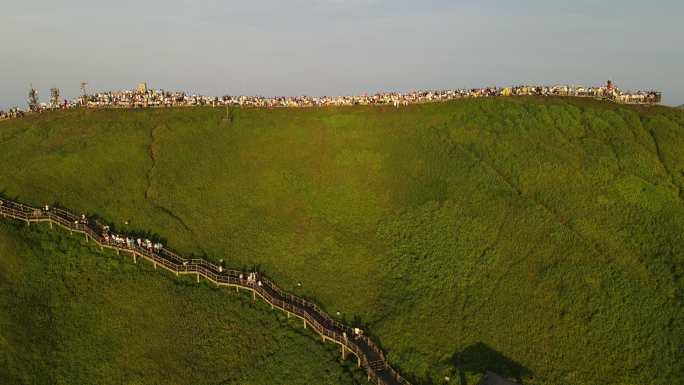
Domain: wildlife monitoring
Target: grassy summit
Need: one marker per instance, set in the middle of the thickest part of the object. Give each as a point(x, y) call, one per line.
point(541, 238)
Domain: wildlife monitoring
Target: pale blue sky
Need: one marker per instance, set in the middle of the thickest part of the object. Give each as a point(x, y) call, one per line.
point(326, 47)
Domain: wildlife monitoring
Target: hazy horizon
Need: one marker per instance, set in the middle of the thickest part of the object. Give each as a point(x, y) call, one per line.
point(337, 47)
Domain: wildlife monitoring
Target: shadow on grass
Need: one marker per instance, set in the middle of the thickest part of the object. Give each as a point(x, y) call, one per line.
point(480, 358)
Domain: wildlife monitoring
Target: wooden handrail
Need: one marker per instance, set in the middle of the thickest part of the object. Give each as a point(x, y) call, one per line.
point(329, 329)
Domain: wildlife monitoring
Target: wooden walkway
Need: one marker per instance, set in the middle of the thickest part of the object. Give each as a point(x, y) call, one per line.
point(368, 355)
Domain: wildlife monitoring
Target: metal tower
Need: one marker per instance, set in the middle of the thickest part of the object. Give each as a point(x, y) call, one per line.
point(84, 98)
point(54, 97)
point(33, 99)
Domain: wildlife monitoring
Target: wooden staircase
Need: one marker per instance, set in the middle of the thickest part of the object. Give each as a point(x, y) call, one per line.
point(369, 355)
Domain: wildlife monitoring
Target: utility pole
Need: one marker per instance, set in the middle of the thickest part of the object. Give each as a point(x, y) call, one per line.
point(54, 98)
point(33, 99)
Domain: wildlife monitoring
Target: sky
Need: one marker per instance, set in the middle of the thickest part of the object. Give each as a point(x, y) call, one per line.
point(337, 47)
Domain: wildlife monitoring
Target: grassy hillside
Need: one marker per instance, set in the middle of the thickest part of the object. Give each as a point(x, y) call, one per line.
point(73, 315)
point(542, 238)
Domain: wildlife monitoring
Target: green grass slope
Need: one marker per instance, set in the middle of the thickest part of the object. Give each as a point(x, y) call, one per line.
point(542, 238)
point(73, 315)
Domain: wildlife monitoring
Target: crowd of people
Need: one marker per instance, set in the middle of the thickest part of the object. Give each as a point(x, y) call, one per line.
point(144, 98)
point(110, 237)
point(15, 112)
point(129, 242)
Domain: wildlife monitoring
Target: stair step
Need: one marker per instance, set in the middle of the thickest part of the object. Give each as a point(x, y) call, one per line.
point(378, 366)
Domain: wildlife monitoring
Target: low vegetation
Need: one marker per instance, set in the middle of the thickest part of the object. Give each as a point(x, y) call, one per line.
point(70, 314)
point(540, 238)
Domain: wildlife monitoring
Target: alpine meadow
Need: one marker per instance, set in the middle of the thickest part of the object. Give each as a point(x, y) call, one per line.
point(540, 238)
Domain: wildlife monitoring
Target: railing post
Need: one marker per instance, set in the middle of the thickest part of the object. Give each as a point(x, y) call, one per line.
point(304, 324)
point(197, 277)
